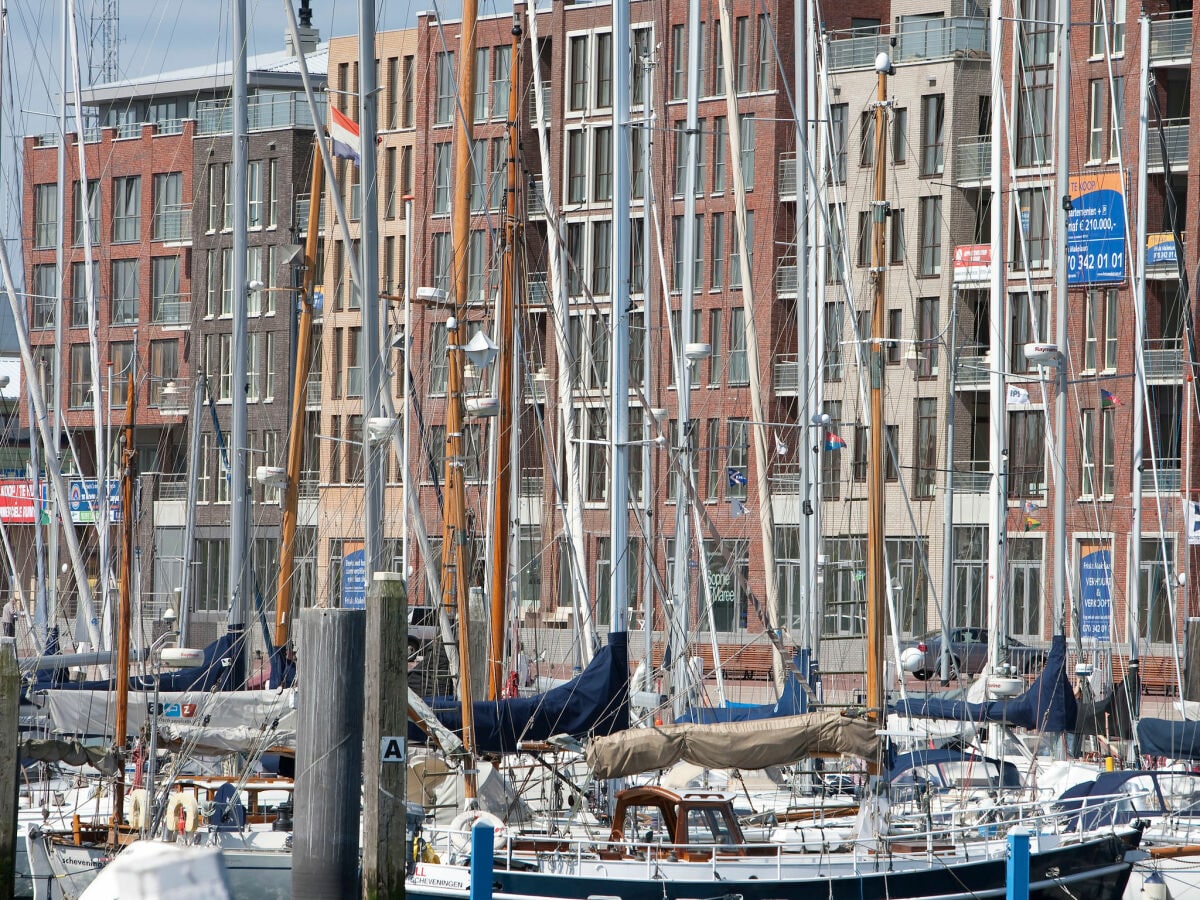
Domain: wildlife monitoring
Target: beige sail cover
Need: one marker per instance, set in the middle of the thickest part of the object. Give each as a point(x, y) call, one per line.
point(742, 745)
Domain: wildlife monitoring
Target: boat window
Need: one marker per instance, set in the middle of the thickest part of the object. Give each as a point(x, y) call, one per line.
point(1142, 793)
point(645, 825)
point(271, 800)
point(1181, 793)
point(969, 774)
point(921, 775)
point(708, 826)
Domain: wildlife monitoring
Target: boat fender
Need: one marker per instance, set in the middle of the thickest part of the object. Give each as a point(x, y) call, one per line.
point(137, 808)
point(181, 812)
point(460, 828)
point(1155, 888)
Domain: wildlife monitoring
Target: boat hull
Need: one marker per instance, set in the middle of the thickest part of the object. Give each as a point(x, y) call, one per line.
point(1097, 869)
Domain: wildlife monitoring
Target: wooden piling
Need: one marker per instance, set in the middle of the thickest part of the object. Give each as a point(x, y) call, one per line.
point(328, 753)
point(10, 693)
point(385, 728)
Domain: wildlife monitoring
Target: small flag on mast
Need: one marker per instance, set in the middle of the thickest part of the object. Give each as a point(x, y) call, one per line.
point(1031, 523)
point(1018, 397)
point(833, 442)
point(1109, 399)
point(737, 509)
point(736, 477)
point(343, 131)
point(780, 447)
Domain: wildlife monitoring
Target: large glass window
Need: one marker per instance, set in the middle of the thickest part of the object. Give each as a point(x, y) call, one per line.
point(443, 110)
point(1155, 577)
point(167, 306)
point(925, 452)
point(844, 590)
point(92, 213)
point(970, 576)
point(1036, 29)
point(124, 291)
point(930, 211)
point(1025, 587)
point(933, 116)
point(45, 216)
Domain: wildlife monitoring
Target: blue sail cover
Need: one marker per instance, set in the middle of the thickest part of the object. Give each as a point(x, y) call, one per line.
point(214, 673)
point(1174, 740)
point(1048, 705)
point(594, 702)
point(790, 703)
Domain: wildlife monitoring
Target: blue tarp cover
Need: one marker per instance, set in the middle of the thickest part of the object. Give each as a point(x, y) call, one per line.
point(1175, 740)
point(1048, 705)
point(594, 702)
point(790, 703)
point(212, 673)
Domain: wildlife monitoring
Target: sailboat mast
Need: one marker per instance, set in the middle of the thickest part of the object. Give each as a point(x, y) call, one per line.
point(502, 476)
point(126, 588)
point(60, 306)
point(295, 457)
point(368, 124)
point(239, 513)
point(876, 565)
point(454, 533)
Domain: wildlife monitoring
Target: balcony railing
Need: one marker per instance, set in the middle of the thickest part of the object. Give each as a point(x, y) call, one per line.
point(785, 276)
point(172, 487)
point(302, 203)
point(546, 104)
point(973, 160)
point(539, 289)
point(1176, 133)
point(972, 478)
point(1171, 38)
point(265, 112)
point(128, 130)
point(171, 309)
point(856, 48)
point(973, 365)
point(1163, 357)
point(787, 176)
point(310, 486)
point(173, 224)
point(1163, 478)
point(171, 394)
point(786, 375)
point(786, 480)
point(532, 483)
point(313, 390)
point(535, 205)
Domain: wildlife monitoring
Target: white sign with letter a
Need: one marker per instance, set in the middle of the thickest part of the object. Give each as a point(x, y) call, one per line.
point(391, 750)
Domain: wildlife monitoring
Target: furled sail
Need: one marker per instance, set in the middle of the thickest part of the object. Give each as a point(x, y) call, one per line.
point(743, 745)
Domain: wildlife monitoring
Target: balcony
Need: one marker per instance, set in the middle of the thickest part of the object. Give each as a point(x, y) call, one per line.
point(128, 131)
point(537, 387)
point(532, 483)
point(313, 391)
point(266, 112)
point(539, 289)
point(856, 48)
point(1171, 39)
point(972, 367)
point(173, 224)
point(1163, 478)
point(785, 276)
point(172, 487)
point(972, 161)
point(787, 176)
point(171, 309)
point(1176, 132)
point(786, 375)
point(1163, 358)
point(546, 98)
point(786, 480)
point(170, 394)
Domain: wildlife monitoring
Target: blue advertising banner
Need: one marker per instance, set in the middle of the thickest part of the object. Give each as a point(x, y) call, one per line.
point(1096, 229)
point(1095, 593)
point(354, 578)
point(85, 500)
point(1160, 249)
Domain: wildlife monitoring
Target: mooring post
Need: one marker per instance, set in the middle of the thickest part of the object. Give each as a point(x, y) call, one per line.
point(10, 693)
point(385, 727)
point(328, 753)
point(1016, 885)
point(483, 858)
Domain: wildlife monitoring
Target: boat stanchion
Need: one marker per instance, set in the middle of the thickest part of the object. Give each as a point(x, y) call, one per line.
point(1016, 885)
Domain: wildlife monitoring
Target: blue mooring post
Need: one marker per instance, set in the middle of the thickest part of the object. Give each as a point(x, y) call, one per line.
point(483, 857)
point(1017, 883)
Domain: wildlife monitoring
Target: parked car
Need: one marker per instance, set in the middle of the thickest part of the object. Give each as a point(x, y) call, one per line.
point(969, 653)
point(422, 624)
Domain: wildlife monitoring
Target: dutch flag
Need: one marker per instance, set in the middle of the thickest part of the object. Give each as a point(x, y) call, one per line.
point(343, 131)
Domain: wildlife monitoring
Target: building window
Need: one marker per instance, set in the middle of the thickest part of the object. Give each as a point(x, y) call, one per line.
point(253, 367)
point(738, 463)
point(1097, 116)
point(862, 447)
point(124, 291)
point(1110, 13)
point(441, 179)
point(501, 74)
point(127, 209)
point(227, 197)
point(213, 221)
point(933, 115)
point(45, 216)
point(1028, 325)
point(637, 75)
point(601, 250)
point(595, 419)
point(863, 255)
point(254, 266)
point(895, 326)
point(254, 194)
point(499, 173)
point(406, 105)
point(576, 166)
point(438, 360)
point(925, 452)
point(227, 281)
point(832, 343)
point(164, 367)
point(1087, 456)
point(92, 213)
point(900, 137)
point(212, 574)
point(927, 336)
point(167, 306)
point(579, 73)
point(1025, 587)
point(747, 121)
point(904, 565)
point(831, 454)
point(741, 48)
point(720, 143)
point(970, 576)
point(480, 107)
point(204, 492)
point(602, 165)
point(739, 369)
point(604, 61)
point(81, 376)
point(766, 54)
point(45, 296)
point(717, 255)
point(678, 63)
point(1026, 454)
point(170, 219)
point(843, 594)
point(1100, 330)
point(838, 117)
point(1036, 34)
point(478, 192)
point(896, 238)
point(443, 110)
point(81, 302)
point(1155, 576)
point(866, 131)
point(269, 368)
point(930, 212)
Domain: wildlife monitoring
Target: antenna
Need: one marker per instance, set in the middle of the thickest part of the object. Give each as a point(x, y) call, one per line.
point(105, 41)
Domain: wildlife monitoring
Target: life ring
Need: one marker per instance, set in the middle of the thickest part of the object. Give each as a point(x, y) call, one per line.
point(138, 804)
point(181, 805)
point(460, 830)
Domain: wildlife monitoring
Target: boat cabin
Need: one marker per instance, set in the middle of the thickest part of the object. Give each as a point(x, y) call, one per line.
point(691, 826)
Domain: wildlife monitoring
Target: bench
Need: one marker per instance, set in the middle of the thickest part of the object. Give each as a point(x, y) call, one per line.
point(1155, 673)
point(740, 661)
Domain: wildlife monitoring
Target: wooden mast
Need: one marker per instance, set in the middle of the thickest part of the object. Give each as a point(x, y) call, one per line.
point(126, 587)
point(454, 531)
point(295, 457)
point(876, 566)
point(502, 484)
